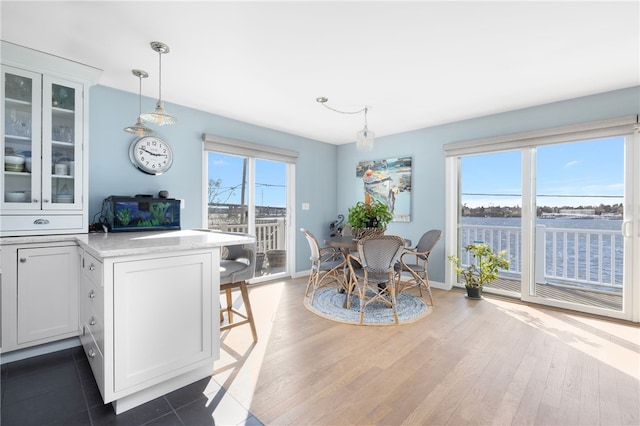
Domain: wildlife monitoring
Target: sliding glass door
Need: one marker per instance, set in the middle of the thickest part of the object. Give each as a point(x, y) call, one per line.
point(579, 250)
point(249, 195)
point(564, 210)
point(490, 211)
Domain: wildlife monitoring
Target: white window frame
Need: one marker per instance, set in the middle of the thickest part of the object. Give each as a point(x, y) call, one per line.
point(213, 143)
point(627, 126)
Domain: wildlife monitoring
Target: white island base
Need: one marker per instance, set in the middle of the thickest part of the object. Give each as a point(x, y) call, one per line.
point(131, 401)
point(147, 311)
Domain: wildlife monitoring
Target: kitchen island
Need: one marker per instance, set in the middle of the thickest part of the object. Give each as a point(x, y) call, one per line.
point(145, 306)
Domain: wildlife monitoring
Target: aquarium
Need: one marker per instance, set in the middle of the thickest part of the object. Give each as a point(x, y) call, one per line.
point(121, 213)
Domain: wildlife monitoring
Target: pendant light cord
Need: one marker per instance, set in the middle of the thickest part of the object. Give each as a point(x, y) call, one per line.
point(346, 112)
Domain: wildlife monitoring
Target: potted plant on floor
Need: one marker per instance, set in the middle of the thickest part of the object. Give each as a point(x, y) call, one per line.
point(483, 270)
point(369, 219)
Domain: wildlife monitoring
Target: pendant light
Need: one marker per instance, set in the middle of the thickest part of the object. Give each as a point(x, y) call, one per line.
point(365, 137)
point(159, 115)
point(139, 128)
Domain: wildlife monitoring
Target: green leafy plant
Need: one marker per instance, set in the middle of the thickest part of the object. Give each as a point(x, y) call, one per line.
point(124, 216)
point(485, 270)
point(159, 211)
point(374, 215)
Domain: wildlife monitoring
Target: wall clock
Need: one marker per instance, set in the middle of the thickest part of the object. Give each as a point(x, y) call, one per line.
point(151, 155)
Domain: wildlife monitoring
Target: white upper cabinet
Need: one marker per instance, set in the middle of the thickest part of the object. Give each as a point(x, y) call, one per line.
point(44, 131)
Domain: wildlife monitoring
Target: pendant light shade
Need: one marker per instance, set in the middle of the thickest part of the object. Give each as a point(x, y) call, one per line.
point(365, 137)
point(159, 115)
point(139, 129)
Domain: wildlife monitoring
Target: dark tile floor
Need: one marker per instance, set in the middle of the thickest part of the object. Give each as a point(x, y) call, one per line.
point(59, 389)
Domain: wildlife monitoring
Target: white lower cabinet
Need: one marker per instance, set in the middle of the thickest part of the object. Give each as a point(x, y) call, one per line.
point(146, 323)
point(39, 294)
point(47, 293)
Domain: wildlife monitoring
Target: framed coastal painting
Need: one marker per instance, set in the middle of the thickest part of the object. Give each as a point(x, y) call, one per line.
point(388, 181)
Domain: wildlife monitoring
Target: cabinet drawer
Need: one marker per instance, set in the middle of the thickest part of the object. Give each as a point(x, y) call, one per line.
point(41, 222)
point(92, 268)
point(91, 300)
point(93, 324)
point(95, 358)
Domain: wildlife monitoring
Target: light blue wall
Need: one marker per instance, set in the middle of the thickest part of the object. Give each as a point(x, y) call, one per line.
point(325, 174)
point(111, 172)
point(425, 146)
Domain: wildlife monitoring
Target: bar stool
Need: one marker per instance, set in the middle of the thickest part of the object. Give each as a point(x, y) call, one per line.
point(236, 267)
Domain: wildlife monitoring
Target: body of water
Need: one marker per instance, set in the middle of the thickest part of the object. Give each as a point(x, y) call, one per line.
point(587, 251)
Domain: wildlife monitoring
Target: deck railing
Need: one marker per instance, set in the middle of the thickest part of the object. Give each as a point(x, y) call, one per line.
point(269, 235)
point(580, 257)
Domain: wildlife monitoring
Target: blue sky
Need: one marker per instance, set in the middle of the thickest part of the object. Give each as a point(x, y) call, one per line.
point(271, 180)
point(592, 168)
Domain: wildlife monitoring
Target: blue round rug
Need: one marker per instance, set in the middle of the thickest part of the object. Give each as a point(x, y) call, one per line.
point(329, 304)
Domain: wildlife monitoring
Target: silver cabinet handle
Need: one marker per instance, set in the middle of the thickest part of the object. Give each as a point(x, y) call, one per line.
point(92, 294)
point(92, 321)
point(23, 260)
point(92, 267)
point(91, 353)
point(45, 201)
point(41, 221)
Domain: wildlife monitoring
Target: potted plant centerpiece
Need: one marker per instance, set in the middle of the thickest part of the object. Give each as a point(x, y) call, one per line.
point(369, 219)
point(482, 272)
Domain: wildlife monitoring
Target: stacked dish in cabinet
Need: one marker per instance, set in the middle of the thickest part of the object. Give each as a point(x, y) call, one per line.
point(21, 114)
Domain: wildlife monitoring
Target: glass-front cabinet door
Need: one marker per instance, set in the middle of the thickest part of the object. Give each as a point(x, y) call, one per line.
point(21, 94)
point(61, 144)
point(42, 142)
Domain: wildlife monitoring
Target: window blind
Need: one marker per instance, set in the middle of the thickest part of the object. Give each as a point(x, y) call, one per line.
point(247, 149)
point(591, 130)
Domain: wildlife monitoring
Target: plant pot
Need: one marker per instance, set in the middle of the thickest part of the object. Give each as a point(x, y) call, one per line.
point(359, 233)
point(276, 258)
point(474, 293)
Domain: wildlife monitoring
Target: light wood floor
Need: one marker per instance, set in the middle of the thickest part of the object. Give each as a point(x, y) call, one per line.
point(469, 362)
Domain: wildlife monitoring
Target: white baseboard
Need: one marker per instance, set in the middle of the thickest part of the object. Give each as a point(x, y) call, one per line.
point(39, 350)
point(299, 274)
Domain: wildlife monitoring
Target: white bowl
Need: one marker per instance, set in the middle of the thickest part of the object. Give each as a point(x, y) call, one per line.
point(27, 164)
point(15, 196)
point(63, 198)
point(14, 159)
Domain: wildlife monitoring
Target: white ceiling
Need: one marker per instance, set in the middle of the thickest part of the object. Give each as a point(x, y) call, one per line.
point(415, 64)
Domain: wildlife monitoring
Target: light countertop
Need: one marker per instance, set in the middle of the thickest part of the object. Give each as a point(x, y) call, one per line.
point(135, 243)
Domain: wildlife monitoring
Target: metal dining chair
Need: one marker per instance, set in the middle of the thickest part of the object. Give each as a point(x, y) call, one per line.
point(417, 265)
point(327, 267)
point(373, 273)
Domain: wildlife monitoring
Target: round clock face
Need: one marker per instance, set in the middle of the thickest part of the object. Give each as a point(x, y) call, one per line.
point(151, 154)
